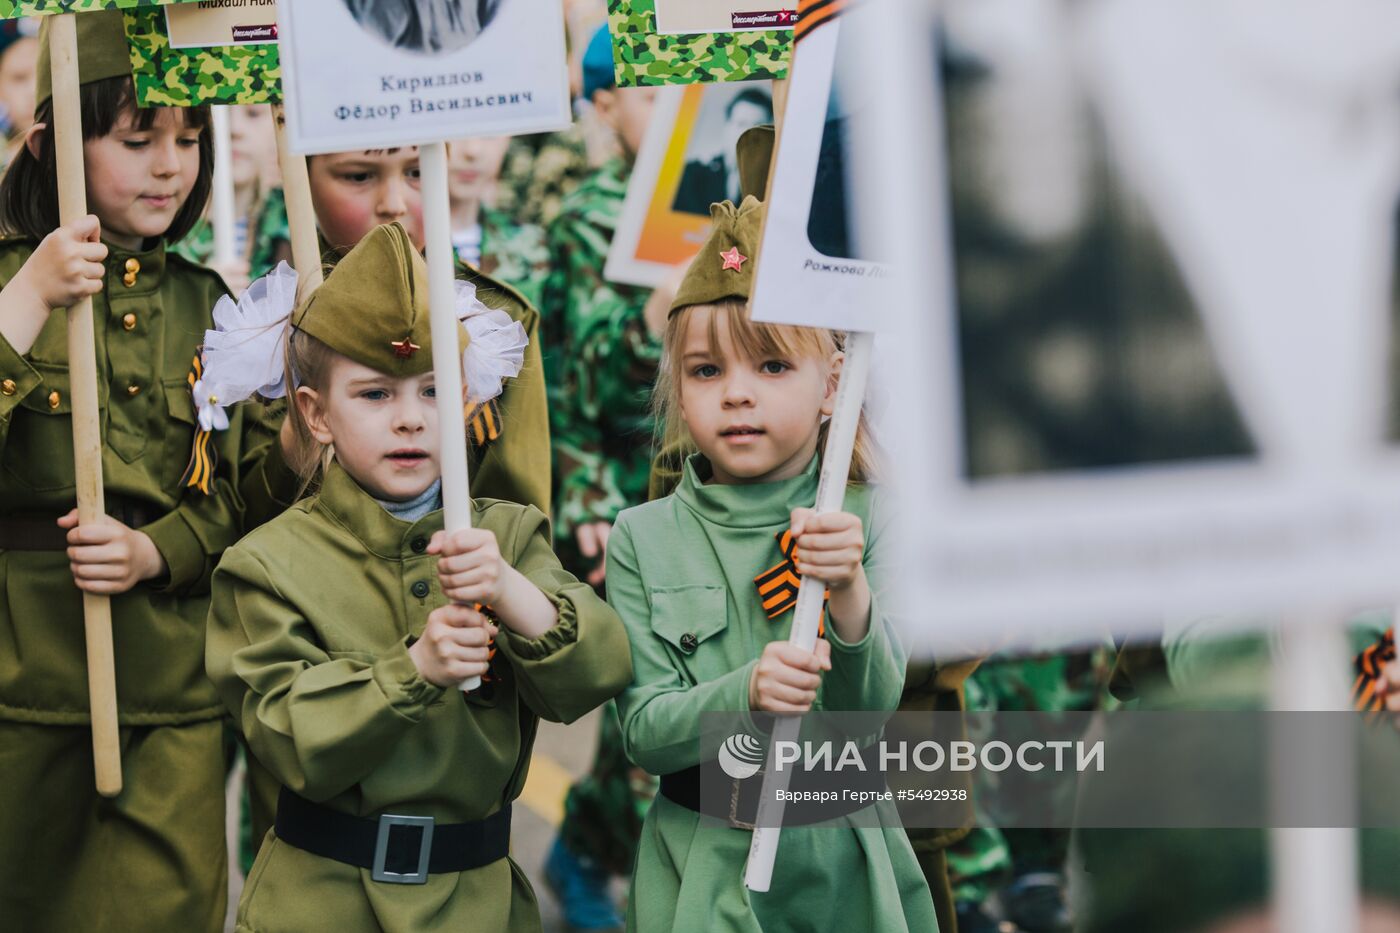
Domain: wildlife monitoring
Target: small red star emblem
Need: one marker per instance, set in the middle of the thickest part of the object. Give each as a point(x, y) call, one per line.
point(404, 348)
point(733, 259)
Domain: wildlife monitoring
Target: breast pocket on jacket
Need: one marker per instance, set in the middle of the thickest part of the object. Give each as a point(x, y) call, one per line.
point(690, 619)
point(39, 450)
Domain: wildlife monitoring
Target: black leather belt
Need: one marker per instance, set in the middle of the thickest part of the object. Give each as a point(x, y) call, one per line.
point(39, 531)
point(396, 849)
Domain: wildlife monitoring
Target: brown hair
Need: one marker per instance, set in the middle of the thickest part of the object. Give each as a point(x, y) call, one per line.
point(29, 190)
point(756, 339)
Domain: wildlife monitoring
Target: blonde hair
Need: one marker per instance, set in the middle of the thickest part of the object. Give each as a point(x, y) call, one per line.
point(755, 339)
point(308, 363)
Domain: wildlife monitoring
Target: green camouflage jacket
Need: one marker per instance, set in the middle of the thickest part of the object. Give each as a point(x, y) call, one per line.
point(539, 172)
point(516, 254)
point(268, 242)
point(600, 362)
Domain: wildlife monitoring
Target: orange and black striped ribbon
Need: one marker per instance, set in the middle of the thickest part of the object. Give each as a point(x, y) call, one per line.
point(1364, 695)
point(778, 585)
point(484, 422)
point(495, 620)
point(813, 13)
point(204, 458)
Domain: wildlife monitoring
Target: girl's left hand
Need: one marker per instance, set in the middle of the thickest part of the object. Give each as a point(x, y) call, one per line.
point(829, 546)
point(470, 568)
point(108, 557)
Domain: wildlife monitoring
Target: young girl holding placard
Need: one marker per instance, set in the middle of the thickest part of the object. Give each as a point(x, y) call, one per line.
point(332, 642)
point(153, 857)
point(706, 638)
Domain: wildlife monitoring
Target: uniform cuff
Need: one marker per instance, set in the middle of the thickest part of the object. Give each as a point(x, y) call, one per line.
point(855, 647)
point(179, 548)
point(408, 692)
point(17, 378)
point(563, 633)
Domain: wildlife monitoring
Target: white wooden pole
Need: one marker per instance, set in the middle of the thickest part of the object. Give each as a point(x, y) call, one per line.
point(831, 493)
point(221, 208)
point(447, 362)
point(1314, 869)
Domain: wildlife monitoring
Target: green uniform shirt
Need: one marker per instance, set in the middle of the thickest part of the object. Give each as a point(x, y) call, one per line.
point(514, 253)
point(600, 361)
point(309, 630)
point(147, 333)
point(680, 574)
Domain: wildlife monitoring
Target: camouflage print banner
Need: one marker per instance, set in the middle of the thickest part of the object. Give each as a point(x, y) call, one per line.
point(166, 77)
point(13, 9)
point(642, 57)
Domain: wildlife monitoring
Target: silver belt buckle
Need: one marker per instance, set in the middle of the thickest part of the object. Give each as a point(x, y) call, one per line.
point(387, 822)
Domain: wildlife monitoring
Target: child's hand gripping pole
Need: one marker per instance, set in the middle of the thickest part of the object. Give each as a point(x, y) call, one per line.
point(447, 361)
point(87, 436)
point(831, 492)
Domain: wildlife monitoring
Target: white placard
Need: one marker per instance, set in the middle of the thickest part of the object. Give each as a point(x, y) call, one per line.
point(811, 270)
point(688, 17)
point(366, 74)
point(1267, 175)
point(214, 23)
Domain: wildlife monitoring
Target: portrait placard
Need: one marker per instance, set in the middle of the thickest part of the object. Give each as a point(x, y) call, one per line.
point(685, 164)
point(366, 74)
point(643, 56)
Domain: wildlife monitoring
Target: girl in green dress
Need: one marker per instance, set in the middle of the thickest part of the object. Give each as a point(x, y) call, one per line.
point(752, 398)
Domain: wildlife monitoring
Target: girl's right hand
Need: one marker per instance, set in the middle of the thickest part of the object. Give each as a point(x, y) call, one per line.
point(67, 266)
point(786, 678)
point(453, 646)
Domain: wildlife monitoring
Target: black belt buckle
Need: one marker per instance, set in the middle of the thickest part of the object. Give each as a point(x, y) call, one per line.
point(387, 823)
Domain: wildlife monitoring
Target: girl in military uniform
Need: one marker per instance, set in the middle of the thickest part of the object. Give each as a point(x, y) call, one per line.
point(152, 858)
point(681, 573)
point(333, 642)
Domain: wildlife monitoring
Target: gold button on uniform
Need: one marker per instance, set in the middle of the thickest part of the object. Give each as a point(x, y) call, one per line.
point(129, 321)
point(133, 389)
point(129, 279)
point(54, 399)
point(133, 265)
point(9, 387)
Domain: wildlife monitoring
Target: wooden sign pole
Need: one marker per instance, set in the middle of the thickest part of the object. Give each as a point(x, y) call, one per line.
point(87, 436)
point(447, 361)
point(301, 215)
point(221, 208)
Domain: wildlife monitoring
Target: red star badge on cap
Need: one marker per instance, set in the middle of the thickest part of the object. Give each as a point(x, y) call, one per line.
point(733, 259)
point(404, 348)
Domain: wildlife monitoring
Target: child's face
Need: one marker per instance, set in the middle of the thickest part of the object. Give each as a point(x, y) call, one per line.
point(17, 82)
point(474, 166)
point(628, 111)
point(137, 180)
point(384, 428)
point(252, 142)
point(354, 192)
point(754, 418)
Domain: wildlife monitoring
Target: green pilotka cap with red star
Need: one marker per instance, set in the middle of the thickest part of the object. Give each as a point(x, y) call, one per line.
point(373, 307)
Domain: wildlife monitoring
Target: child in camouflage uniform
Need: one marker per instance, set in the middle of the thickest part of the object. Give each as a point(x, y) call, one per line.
point(601, 356)
point(261, 225)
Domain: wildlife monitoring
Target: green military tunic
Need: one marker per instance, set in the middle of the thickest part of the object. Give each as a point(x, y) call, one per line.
point(309, 631)
point(161, 840)
point(680, 573)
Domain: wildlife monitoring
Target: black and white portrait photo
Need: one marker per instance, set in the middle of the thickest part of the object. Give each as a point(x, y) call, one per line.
point(425, 26)
point(711, 173)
